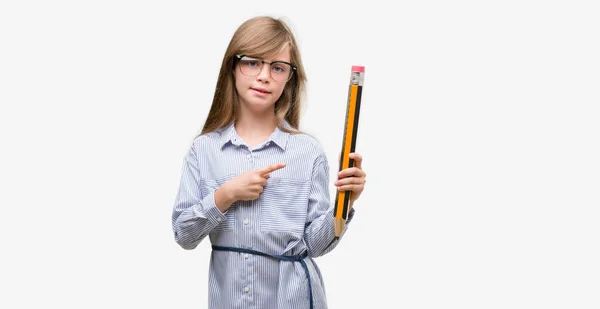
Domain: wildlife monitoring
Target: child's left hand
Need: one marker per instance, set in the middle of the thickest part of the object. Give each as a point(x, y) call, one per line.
point(352, 178)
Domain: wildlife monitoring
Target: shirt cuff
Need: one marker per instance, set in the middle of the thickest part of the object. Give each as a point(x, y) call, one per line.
point(213, 214)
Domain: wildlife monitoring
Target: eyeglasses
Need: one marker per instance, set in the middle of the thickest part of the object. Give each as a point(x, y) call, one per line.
point(280, 71)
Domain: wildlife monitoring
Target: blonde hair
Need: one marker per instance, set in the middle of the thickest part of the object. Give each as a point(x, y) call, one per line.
point(261, 36)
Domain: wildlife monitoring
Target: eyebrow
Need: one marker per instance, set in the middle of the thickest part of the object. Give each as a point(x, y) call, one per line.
point(274, 60)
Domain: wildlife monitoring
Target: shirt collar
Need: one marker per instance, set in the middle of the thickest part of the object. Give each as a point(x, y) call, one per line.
point(279, 137)
point(227, 134)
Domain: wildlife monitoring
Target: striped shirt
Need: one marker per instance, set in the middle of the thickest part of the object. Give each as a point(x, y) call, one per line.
point(292, 215)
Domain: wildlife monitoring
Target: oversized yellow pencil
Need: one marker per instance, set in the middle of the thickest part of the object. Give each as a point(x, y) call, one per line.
point(342, 201)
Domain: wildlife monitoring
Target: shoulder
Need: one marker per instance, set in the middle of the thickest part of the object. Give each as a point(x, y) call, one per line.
point(306, 141)
point(207, 140)
point(308, 146)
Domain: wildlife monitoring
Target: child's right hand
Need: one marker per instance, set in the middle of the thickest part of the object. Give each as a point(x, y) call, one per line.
point(248, 185)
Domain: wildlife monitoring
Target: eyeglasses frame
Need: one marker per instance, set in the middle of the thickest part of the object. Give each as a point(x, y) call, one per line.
point(294, 68)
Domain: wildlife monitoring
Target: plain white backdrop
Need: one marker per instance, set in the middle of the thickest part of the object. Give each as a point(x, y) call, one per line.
point(479, 128)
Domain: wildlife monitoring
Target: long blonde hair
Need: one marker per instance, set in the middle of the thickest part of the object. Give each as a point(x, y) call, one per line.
point(261, 36)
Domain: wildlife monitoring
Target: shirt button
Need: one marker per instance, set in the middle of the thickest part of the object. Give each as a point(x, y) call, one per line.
point(246, 289)
point(246, 221)
point(246, 256)
point(219, 219)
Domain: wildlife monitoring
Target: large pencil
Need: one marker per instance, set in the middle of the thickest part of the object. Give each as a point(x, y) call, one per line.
point(342, 201)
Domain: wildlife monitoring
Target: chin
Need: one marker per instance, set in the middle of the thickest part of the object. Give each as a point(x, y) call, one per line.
point(260, 103)
point(261, 109)
point(259, 106)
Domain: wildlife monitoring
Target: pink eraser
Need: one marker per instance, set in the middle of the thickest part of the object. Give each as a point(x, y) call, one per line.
point(358, 68)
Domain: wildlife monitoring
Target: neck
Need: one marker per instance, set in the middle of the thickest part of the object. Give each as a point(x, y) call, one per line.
point(255, 129)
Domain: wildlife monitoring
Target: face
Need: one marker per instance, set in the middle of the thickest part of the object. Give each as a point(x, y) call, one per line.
point(259, 93)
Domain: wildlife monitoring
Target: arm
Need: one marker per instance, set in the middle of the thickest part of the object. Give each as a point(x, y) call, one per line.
point(319, 233)
point(194, 215)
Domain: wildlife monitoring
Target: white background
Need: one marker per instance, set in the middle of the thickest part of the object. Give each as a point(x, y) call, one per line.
point(479, 129)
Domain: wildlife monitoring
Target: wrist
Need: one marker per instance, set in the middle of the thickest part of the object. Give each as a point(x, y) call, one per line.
point(224, 198)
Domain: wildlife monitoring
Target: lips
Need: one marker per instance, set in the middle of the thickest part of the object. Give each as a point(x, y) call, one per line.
point(261, 90)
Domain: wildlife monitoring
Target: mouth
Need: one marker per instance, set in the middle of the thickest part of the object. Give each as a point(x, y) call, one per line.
point(260, 90)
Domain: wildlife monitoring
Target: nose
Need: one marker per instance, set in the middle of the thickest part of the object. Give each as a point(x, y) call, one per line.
point(264, 74)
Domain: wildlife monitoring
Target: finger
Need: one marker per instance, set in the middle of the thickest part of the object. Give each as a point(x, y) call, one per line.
point(270, 168)
point(357, 159)
point(351, 171)
point(353, 188)
point(256, 190)
point(349, 180)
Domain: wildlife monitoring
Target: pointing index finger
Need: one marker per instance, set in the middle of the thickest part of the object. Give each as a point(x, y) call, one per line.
point(271, 168)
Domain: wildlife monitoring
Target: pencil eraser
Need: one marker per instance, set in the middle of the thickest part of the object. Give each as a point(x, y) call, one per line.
point(358, 68)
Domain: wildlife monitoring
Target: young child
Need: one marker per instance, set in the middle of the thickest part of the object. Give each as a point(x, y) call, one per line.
point(256, 185)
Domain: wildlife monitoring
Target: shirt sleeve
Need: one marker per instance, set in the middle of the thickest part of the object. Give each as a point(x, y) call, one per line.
point(319, 233)
point(194, 215)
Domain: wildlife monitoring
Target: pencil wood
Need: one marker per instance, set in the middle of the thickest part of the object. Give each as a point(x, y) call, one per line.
point(339, 226)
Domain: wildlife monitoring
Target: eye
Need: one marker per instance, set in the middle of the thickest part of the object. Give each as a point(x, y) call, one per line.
point(279, 68)
point(250, 62)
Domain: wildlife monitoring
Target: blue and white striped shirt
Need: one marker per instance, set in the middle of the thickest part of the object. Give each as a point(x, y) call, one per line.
point(292, 215)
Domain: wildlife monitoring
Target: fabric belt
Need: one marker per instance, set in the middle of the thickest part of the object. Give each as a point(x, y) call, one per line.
point(293, 258)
